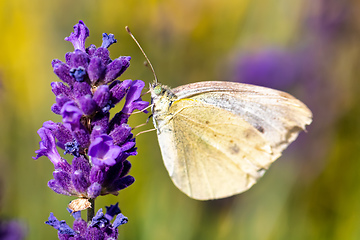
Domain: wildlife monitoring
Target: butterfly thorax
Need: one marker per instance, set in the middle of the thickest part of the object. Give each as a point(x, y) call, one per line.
point(161, 99)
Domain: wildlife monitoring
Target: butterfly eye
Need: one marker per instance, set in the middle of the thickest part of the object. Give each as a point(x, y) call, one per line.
point(157, 90)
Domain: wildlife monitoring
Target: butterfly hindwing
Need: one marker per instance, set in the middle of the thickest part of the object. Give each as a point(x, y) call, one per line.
point(210, 153)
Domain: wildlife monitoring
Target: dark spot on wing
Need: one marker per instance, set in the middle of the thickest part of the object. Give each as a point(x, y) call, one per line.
point(231, 141)
point(260, 129)
point(207, 122)
point(234, 149)
point(248, 134)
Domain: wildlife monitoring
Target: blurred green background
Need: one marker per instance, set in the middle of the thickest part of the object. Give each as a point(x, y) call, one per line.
point(307, 48)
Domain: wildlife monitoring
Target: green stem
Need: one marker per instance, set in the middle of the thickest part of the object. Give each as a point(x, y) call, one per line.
point(91, 211)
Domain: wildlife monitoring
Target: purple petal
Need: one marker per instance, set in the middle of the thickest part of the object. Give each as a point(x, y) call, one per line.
point(48, 147)
point(65, 229)
point(63, 72)
point(55, 61)
point(119, 89)
point(79, 224)
point(80, 163)
point(108, 40)
point(96, 69)
point(120, 220)
point(91, 49)
point(78, 37)
point(126, 168)
point(61, 100)
point(87, 105)
point(113, 173)
point(81, 174)
point(112, 154)
point(100, 124)
point(59, 88)
point(121, 184)
point(132, 151)
point(94, 190)
point(94, 233)
point(82, 137)
point(133, 99)
point(103, 54)
point(61, 133)
point(103, 161)
point(71, 115)
point(97, 131)
point(116, 68)
point(97, 174)
point(54, 185)
point(102, 95)
point(77, 59)
point(112, 210)
point(52, 221)
point(128, 145)
point(80, 181)
point(56, 109)
point(81, 89)
point(99, 220)
point(102, 151)
point(134, 92)
point(120, 134)
point(63, 180)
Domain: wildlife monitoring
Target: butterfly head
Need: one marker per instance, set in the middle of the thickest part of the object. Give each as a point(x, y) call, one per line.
point(159, 90)
point(161, 97)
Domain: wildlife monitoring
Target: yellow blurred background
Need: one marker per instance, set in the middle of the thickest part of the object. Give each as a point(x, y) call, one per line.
point(307, 48)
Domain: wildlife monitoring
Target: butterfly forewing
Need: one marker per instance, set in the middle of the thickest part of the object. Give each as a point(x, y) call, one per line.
point(277, 115)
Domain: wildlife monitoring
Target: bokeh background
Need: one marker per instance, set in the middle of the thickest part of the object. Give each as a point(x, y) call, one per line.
point(307, 48)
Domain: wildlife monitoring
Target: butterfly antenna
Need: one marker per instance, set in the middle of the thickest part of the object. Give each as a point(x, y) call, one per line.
point(147, 59)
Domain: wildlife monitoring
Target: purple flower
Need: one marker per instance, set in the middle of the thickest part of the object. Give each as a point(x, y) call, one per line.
point(99, 228)
point(133, 98)
point(12, 230)
point(78, 37)
point(273, 68)
point(48, 147)
point(116, 68)
point(71, 116)
point(102, 151)
point(108, 40)
point(100, 145)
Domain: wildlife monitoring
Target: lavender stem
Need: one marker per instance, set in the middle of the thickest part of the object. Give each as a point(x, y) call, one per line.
point(91, 211)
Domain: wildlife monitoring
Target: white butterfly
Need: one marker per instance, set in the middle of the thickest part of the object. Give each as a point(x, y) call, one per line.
point(218, 138)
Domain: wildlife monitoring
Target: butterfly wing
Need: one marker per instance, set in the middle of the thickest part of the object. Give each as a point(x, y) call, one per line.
point(277, 115)
point(210, 152)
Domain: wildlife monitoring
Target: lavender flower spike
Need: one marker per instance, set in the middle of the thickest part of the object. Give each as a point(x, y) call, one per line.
point(99, 145)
